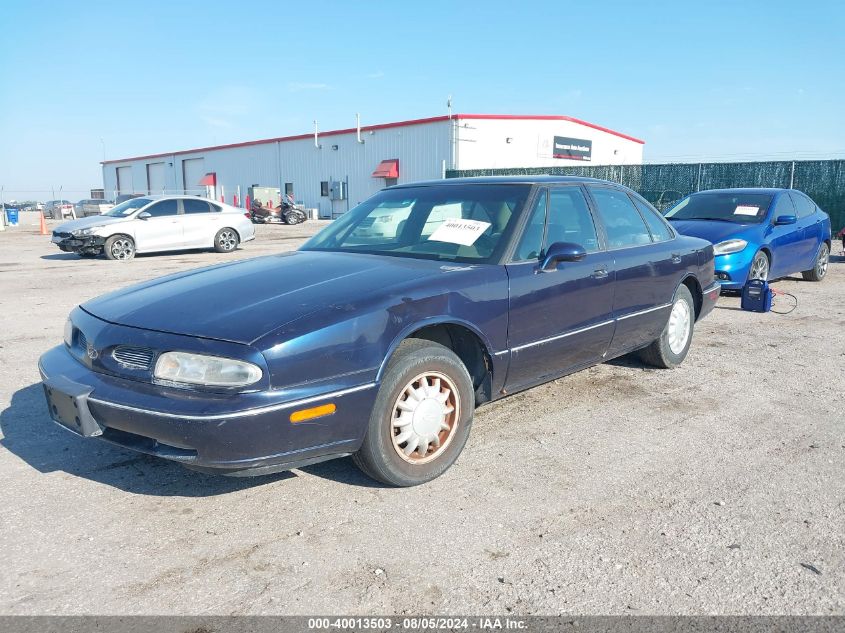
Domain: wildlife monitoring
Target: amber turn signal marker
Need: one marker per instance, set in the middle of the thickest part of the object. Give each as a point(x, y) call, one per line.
point(313, 412)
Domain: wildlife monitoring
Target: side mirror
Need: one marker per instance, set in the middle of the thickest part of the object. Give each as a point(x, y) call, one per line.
point(561, 252)
point(785, 219)
point(144, 215)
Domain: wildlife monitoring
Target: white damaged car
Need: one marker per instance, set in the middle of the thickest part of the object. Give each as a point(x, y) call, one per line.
point(156, 224)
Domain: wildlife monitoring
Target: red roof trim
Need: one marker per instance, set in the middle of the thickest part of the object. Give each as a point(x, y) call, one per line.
point(384, 126)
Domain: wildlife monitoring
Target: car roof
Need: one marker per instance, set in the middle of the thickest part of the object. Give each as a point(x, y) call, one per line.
point(503, 180)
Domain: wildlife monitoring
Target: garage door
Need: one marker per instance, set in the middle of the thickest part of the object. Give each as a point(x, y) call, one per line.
point(193, 169)
point(124, 180)
point(155, 178)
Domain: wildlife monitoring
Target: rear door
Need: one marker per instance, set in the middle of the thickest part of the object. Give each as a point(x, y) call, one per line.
point(199, 222)
point(812, 229)
point(560, 320)
point(162, 230)
point(647, 268)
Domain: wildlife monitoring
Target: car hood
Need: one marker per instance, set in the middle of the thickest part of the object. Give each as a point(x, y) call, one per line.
point(242, 301)
point(713, 231)
point(87, 223)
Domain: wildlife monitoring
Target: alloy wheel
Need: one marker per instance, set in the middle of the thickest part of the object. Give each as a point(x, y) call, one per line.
point(822, 261)
point(227, 240)
point(424, 417)
point(678, 330)
point(759, 267)
point(122, 249)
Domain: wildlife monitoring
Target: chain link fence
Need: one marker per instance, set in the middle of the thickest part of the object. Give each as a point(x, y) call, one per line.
point(663, 184)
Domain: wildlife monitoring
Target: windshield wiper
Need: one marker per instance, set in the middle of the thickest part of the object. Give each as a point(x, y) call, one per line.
point(706, 219)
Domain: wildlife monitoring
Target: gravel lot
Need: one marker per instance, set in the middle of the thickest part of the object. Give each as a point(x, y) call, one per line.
point(718, 487)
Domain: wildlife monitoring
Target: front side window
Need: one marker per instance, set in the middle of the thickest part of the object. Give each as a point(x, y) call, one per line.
point(195, 206)
point(164, 208)
point(469, 223)
point(531, 243)
point(570, 219)
point(803, 205)
point(622, 222)
point(725, 206)
point(783, 206)
point(656, 224)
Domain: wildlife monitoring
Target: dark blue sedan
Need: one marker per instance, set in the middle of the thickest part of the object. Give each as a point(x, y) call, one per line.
point(757, 233)
point(380, 336)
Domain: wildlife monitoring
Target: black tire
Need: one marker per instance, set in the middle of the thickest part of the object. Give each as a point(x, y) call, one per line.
point(379, 455)
point(294, 218)
point(120, 248)
point(660, 352)
point(819, 270)
point(226, 240)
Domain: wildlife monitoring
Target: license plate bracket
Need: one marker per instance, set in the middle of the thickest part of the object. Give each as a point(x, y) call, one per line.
point(68, 405)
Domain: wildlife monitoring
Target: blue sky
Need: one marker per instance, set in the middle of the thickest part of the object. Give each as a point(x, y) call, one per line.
point(696, 80)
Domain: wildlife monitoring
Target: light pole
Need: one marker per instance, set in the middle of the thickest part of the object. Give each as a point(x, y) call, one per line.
point(104, 149)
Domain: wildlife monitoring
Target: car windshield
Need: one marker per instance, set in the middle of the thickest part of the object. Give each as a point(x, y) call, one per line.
point(467, 223)
point(741, 208)
point(127, 208)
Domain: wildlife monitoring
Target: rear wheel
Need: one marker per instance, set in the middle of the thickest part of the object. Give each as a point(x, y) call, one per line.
point(120, 247)
point(422, 416)
point(818, 272)
point(226, 240)
point(671, 348)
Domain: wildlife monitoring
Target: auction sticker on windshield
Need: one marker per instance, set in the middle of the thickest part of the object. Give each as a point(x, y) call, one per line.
point(746, 209)
point(458, 231)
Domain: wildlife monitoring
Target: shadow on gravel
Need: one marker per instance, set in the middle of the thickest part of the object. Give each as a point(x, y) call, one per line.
point(63, 256)
point(29, 433)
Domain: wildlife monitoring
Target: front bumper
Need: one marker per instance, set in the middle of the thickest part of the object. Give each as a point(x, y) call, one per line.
point(88, 243)
point(732, 270)
point(225, 434)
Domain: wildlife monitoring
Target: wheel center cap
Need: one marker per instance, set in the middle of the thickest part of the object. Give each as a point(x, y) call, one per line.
point(427, 417)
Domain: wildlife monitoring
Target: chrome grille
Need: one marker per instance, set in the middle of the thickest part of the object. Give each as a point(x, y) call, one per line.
point(131, 357)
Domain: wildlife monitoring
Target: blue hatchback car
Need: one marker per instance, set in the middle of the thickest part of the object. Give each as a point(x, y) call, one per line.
point(757, 233)
point(380, 344)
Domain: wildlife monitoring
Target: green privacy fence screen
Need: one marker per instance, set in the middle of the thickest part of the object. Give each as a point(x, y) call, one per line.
point(822, 180)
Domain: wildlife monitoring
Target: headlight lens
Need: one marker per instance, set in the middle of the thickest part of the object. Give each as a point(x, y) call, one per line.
point(68, 335)
point(212, 371)
point(729, 246)
point(83, 232)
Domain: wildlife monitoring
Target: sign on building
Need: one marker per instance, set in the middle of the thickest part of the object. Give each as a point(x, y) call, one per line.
point(572, 148)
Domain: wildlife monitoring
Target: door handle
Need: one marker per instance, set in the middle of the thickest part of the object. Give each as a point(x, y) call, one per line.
point(600, 273)
point(676, 258)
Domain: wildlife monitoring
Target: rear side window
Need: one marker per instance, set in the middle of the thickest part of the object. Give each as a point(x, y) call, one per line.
point(656, 224)
point(195, 206)
point(164, 208)
point(570, 219)
point(803, 205)
point(623, 223)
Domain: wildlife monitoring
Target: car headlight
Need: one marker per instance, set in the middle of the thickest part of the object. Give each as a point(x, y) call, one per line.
point(68, 334)
point(84, 232)
point(729, 246)
point(199, 369)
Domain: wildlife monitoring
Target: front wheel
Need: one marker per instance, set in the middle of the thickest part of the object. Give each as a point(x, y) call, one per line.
point(421, 418)
point(759, 267)
point(120, 247)
point(226, 240)
point(818, 272)
point(670, 349)
point(294, 218)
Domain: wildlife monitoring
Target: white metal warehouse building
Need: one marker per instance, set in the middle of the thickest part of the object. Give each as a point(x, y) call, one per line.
point(365, 159)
